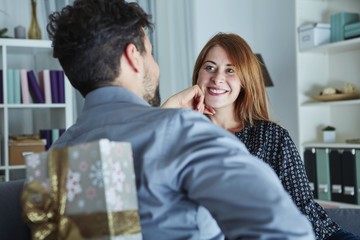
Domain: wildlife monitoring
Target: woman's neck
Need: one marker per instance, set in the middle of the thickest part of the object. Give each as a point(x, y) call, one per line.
point(227, 120)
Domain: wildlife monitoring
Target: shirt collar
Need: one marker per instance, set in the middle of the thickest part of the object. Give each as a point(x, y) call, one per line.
point(111, 94)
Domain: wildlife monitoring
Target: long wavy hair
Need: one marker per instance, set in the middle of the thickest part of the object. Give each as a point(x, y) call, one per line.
point(252, 102)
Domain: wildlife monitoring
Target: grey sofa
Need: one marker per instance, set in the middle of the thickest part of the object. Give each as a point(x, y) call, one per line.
point(12, 226)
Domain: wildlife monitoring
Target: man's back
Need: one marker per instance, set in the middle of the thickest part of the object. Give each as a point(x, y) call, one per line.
point(183, 162)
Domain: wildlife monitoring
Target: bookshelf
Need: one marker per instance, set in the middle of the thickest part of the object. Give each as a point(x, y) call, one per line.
point(332, 64)
point(30, 118)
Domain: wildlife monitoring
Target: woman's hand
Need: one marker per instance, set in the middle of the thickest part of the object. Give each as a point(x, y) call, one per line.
point(191, 97)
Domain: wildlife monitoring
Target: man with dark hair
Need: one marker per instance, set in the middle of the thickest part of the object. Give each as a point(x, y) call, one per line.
point(191, 175)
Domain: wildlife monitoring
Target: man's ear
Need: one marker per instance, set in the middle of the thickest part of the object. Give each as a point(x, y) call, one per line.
point(133, 56)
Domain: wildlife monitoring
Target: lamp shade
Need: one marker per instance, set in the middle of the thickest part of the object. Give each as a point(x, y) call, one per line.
point(265, 72)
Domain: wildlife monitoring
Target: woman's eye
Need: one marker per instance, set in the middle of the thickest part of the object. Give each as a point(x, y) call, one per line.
point(230, 70)
point(209, 68)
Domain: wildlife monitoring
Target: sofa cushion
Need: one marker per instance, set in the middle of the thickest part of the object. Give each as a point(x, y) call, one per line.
point(11, 222)
point(347, 218)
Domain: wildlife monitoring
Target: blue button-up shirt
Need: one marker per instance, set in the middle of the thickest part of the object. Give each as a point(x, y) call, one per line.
point(191, 175)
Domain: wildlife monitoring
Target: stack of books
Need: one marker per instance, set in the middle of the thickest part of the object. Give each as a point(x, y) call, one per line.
point(352, 30)
point(338, 22)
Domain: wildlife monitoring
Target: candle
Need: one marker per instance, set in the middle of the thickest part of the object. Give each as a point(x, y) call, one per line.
point(20, 32)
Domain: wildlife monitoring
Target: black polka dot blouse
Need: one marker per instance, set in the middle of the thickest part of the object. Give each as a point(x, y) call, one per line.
point(272, 143)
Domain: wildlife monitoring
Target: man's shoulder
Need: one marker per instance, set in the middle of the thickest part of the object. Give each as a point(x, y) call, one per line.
point(181, 113)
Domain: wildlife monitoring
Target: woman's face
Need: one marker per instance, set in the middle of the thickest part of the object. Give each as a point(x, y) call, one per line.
point(218, 80)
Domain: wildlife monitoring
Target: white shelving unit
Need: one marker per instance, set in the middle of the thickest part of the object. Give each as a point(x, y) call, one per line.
point(16, 119)
point(332, 64)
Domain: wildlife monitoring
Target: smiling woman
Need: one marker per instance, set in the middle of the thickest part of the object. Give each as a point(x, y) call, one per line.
point(230, 75)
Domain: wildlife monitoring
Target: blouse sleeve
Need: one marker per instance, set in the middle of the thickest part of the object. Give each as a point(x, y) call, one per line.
point(295, 181)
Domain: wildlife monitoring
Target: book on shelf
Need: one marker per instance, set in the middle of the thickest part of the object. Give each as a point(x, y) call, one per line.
point(338, 22)
point(34, 88)
point(10, 86)
point(25, 93)
point(54, 86)
point(17, 86)
point(51, 135)
point(46, 134)
point(352, 33)
point(61, 86)
point(45, 84)
point(352, 26)
point(55, 134)
point(1, 87)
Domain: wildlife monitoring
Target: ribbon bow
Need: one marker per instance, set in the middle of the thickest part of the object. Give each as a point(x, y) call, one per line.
point(44, 210)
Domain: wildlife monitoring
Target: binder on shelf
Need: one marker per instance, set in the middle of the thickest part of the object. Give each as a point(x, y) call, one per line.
point(349, 176)
point(17, 86)
point(336, 178)
point(1, 87)
point(322, 171)
point(357, 170)
point(25, 92)
point(45, 85)
point(34, 87)
point(2, 160)
point(310, 168)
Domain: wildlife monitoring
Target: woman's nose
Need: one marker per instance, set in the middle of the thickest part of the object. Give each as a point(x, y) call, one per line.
point(218, 78)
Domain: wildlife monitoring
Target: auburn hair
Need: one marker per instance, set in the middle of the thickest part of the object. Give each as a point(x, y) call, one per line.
point(252, 102)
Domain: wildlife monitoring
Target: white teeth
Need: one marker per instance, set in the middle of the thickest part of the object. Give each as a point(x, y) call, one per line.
point(217, 91)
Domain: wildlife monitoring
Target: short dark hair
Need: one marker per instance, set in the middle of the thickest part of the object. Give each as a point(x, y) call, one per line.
point(89, 37)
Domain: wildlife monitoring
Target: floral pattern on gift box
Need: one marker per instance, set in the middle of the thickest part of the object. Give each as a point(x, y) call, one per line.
point(73, 186)
point(100, 177)
point(97, 174)
point(34, 166)
point(33, 160)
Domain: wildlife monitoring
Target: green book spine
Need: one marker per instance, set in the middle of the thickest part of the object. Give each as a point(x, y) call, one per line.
point(333, 28)
point(357, 166)
point(352, 33)
point(17, 88)
point(323, 174)
point(10, 86)
point(346, 18)
point(352, 26)
point(54, 134)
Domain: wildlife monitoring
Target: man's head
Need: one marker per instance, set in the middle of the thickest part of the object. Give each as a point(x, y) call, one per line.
point(90, 39)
